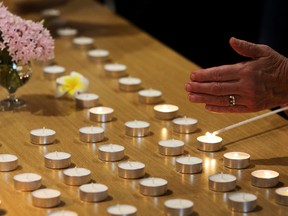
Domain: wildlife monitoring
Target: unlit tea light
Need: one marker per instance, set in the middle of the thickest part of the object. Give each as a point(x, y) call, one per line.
point(129, 84)
point(264, 178)
point(46, 198)
point(86, 100)
point(51, 12)
point(93, 192)
point(98, 55)
point(242, 202)
point(52, 72)
point(137, 128)
point(236, 160)
point(8, 162)
point(131, 169)
point(63, 213)
point(57, 160)
point(165, 111)
point(115, 70)
point(111, 152)
point(122, 210)
point(67, 32)
point(150, 96)
point(83, 42)
point(171, 147)
point(222, 182)
point(76, 176)
point(42, 136)
point(281, 195)
point(27, 181)
point(101, 114)
point(176, 207)
point(185, 125)
point(189, 164)
point(209, 142)
point(153, 186)
point(91, 134)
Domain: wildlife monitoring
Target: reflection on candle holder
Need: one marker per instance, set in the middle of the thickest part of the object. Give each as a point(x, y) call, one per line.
point(174, 207)
point(86, 100)
point(93, 192)
point(46, 198)
point(115, 70)
point(281, 195)
point(264, 178)
point(165, 111)
point(189, 164)
point(27, 181)
point(236, 160)
point(184, 125)
point(8, 162)
point(222, 182)
point(42, 136)
point(122, 210)
point(150, 96)
point(101, 114)
point(57, 160)
point(153, 186)
point(131, 169)
point(137, 128)
point(209, 142)
point(129, 84)
point(171, 147)
point(242, 202)
point(98, 55)
point(91, 134)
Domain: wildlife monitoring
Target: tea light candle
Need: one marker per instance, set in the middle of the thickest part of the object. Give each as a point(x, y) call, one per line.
point(52, 72)
point(137, 128)
point(171, 147)
point(46, 198)
point(236, 160)
point(222, 182)
point(165, 111)
point(129, 84)
point(184, 125)
point(264, 178)
point(42, 136)
point(281, 195)
point(115, 70)
point(98, 55)
point(111, 152)
point(51, 12)
point(91, 134)
point(150, 96)
point(131, 169)
point(93, 192)
point(57, 160)
point(189, 164)
point(86, 100)
point(153, 186)
point(83, 42)
point(27, 181)
point(242, 202)
point(174, 207)
point(67, 32)
point(62, 213)
point(101, 114)
point(8, 162)
point(122, 210)
point(209, 142)
point(76, 176)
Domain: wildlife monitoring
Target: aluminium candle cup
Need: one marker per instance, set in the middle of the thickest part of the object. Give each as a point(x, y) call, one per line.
point(27, 181)
point(91, 134)
point(171, 147)
point(111, 152)
point(150, 96)
point(176, 207)
point(46, 198)
point(137, 128)
point(98, 55)
point(52, 72)
point(153, 186)
point(242, 202)
point(131, 170)
point(264, 178)
point(236, 160)
point(93, 192)
point(101, 114)
point(8, 162)
point(281, 195)
point(86, 100)
point(208, 144)
point(189, 164)
point(83, 42)
point(129, 84)
point(165, 111)
point(42, 136)
point(122, 210)
point(222, 182)
point(115, 70)
point(57, 160)
point(185, 125)
point(76, 176)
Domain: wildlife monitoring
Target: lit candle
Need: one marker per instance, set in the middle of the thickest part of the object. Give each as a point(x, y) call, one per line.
point(101, 114)
point(76, 176)
point(209, 142)
point(42, 136)
point(86, 100)
point(153, 186)
point(236, 160)
point(52, 72)
point(122, 210)
point(222, 182)
point(115, 70)
point(281, 195)
point(98, 55)
point(165, 111)
point(150, 96)
point(57, 160)
point(83, 42)
point(174, 207)
point(184, 125)
point(111, 152)
point(129, 84)
point(46, 198)
point(8, 162)
point(91, 134)
point(171, 147)
point(189, 164)
point(242, 202)
point(131, 169)
point(27, 181)
point(264, 178)
point(93, 192)
point(67, 32)
point(62, 213)
point(137, 128)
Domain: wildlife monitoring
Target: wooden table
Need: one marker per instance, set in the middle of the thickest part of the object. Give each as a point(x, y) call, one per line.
point(159, 68)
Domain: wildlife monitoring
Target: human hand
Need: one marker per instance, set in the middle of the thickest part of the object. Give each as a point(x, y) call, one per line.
point(258, 84)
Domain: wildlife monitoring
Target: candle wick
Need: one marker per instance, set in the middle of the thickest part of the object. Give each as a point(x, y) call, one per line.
point(222, 176)
point(118, 206)
point(153, 181)
point(56, 153)
point(43, 130)
point(91, 128)
point(244, 198)
point(130, 164)
point(27, 176)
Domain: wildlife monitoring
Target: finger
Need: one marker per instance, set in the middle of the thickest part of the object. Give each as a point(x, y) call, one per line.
point(229, 109)
point(187, 87)
point(223, 101)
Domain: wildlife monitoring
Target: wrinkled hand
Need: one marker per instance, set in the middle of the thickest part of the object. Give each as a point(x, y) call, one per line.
point(258, 84)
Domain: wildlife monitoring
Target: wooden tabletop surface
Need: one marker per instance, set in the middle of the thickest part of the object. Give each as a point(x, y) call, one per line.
point(158, 67)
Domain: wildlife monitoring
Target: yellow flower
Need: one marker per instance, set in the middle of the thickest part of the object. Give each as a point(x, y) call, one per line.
point(71, 85)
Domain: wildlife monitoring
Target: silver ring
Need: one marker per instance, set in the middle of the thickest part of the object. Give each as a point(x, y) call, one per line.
point(232, 100)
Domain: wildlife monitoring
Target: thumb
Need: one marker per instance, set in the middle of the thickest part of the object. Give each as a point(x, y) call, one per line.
point(246, 48)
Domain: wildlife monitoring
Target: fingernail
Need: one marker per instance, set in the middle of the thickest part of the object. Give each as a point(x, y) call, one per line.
point(192, 76)
point(187, 87)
